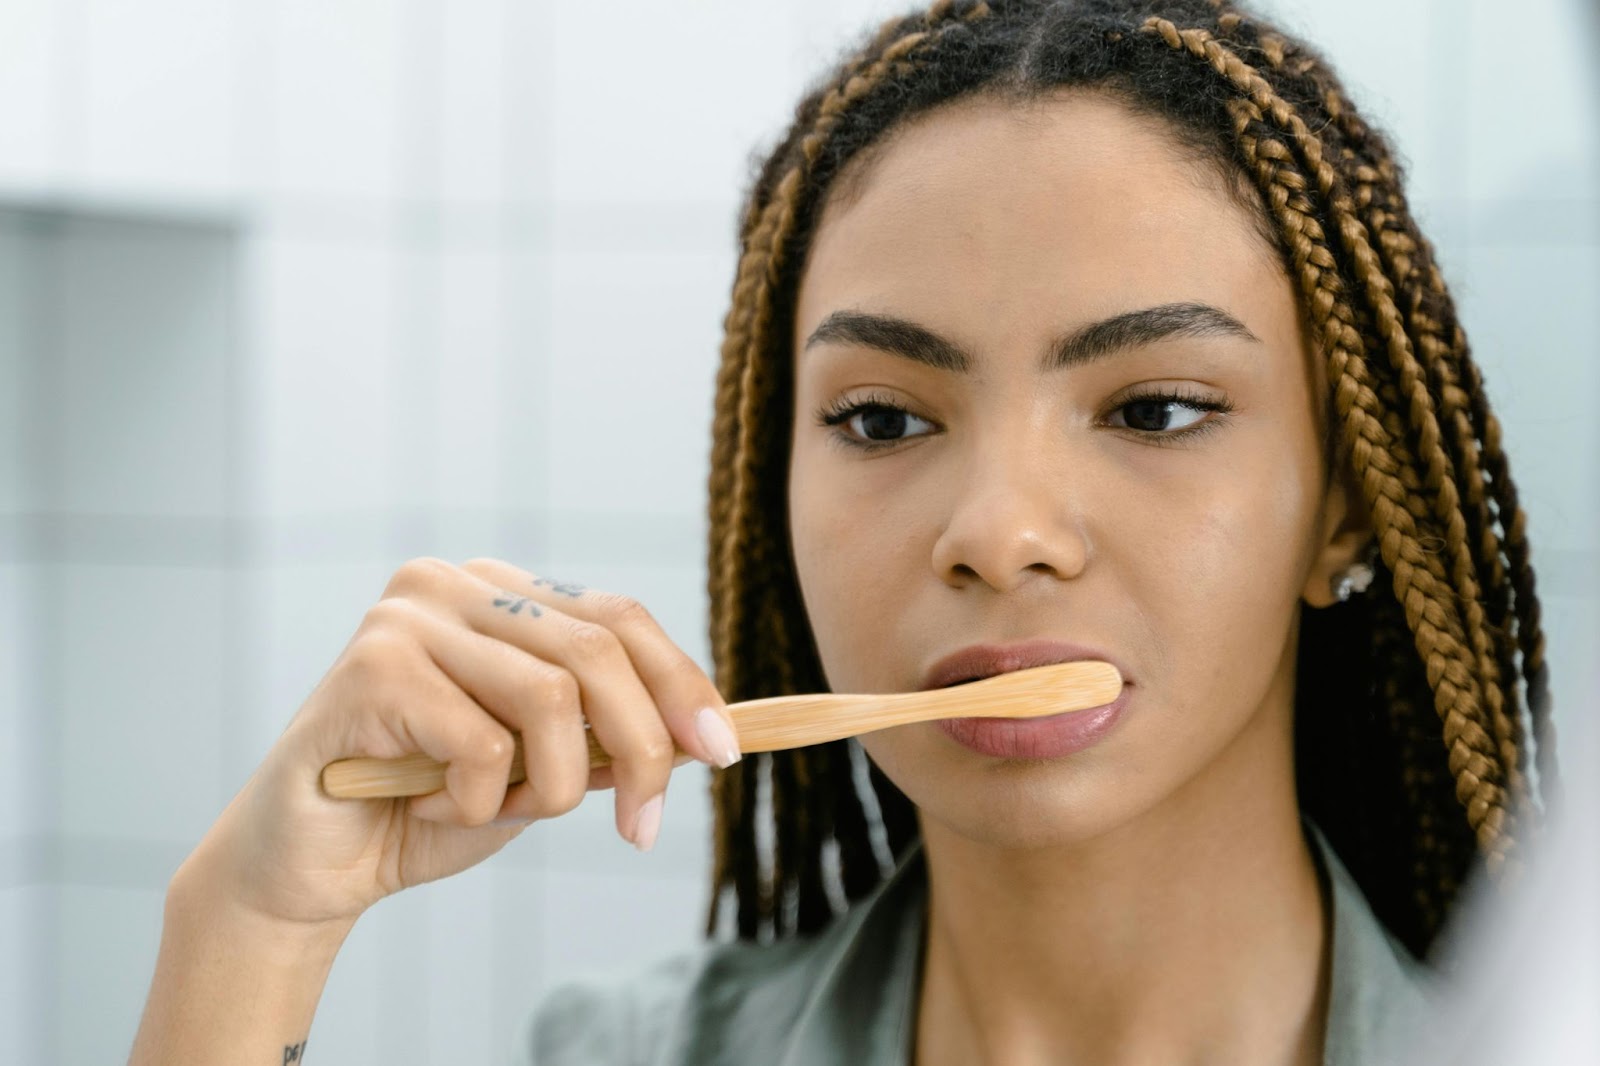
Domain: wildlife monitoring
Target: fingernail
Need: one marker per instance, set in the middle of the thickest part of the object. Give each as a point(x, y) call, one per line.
point(717, 737)
point(647, 823)
point(506, 823)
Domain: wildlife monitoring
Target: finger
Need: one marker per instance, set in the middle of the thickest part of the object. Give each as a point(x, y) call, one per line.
point(695, 712)
point(622, 715)
point(602, 776)
point(394, 683)
point(528, 695)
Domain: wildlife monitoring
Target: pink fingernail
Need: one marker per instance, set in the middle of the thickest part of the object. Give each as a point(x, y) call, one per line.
point(647, 824)
point(717, 737)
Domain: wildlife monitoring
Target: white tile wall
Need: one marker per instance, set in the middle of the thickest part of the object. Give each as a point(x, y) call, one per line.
point(462, 931)
point(25, 811)
point(106, 941)
point(24, 916)
point(20, 782)
point(140, 328)
point(614, 924)
point(17, 260)
point(466, 299)
point(634, 343)
point(476, 108)
point(140, 719)
point(1528, 97)
point(1531, 311)
point(305, 615)
point(703, 83)
point(322, 381)
point(337, 79)
point(19, 817)
point(166, 125)
point(476, 417)
point(34, 39)
point(523, 453)
point(521, 956)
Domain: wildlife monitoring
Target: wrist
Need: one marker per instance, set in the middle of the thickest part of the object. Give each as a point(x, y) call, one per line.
point(200, 903)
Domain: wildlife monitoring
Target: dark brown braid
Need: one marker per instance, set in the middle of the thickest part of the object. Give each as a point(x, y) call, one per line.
point(1413, 726)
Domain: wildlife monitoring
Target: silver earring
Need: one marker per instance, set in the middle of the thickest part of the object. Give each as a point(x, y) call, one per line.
point(1354, 578)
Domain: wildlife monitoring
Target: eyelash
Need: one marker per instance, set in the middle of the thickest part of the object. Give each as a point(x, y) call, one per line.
point(842, 411)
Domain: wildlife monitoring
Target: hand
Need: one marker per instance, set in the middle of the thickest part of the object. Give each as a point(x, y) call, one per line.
point(450, 662)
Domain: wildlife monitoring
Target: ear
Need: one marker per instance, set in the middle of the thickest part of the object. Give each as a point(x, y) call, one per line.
point(1343, 538)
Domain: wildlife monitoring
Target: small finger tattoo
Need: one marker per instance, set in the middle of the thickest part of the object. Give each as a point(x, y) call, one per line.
point(517, 603)
point(566, 588)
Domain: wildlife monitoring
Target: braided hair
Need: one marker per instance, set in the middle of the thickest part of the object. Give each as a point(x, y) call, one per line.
point(1417, 704)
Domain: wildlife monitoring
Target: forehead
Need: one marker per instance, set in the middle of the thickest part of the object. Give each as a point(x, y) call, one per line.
point(1003, 214)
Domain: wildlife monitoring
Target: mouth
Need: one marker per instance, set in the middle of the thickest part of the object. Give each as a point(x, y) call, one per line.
point(979, 661)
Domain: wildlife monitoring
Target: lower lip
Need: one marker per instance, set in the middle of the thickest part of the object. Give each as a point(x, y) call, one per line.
point(1037, 738)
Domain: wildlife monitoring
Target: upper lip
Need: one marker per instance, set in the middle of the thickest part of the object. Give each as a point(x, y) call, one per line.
point(986, 660)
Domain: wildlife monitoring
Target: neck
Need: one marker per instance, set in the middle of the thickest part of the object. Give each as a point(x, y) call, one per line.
point(1196, 933)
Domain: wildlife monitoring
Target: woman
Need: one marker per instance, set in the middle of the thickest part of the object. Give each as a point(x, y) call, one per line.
point(1093, 329)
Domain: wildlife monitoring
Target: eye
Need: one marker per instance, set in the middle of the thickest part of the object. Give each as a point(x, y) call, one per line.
point(1167, 414)
point(872, 423)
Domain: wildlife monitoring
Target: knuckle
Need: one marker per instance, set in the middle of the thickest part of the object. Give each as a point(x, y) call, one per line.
point(590, 642)
point(497, 748)
point(548, 689)
point(480, 563)
point(655, 747)
point(418, 575)
point(556, 796)
point(623, 610)
point(391, 613)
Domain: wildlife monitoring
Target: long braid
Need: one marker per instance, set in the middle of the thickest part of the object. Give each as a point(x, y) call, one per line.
point(1379, 203)
point(1462, 701)
point(858, 863)
point(1408, 257)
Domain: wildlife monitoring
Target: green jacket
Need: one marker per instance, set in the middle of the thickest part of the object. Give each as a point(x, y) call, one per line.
point(848, 993)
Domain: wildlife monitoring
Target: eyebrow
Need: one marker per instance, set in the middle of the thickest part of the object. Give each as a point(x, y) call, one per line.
point(1130, 329)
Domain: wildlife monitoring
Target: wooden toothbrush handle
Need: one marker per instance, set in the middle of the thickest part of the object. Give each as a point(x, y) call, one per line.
point(418, 774)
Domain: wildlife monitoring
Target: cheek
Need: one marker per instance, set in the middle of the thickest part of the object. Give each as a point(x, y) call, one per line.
point(850, 572)
point(1222, 588)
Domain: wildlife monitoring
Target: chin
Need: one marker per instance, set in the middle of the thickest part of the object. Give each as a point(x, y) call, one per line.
point(1012, 804)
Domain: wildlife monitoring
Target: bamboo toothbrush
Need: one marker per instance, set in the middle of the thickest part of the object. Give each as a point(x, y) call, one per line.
point(779, 722)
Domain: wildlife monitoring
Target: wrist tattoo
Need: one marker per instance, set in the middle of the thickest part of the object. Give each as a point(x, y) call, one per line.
point(517, 603)
point(566, 588)
point(294, 1052)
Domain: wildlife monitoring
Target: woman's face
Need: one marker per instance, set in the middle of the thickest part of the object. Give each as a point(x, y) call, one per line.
point(1153, 489)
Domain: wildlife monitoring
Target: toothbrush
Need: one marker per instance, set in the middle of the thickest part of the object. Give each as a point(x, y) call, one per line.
point(778, 722)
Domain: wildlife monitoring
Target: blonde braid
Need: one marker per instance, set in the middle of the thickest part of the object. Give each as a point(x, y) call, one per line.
point(1430, 607)
point(1408, 258)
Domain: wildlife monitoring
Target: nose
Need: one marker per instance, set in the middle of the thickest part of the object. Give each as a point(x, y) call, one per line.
point(1012, 517)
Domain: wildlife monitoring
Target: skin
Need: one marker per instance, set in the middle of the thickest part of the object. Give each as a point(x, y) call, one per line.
point(1151, 898)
